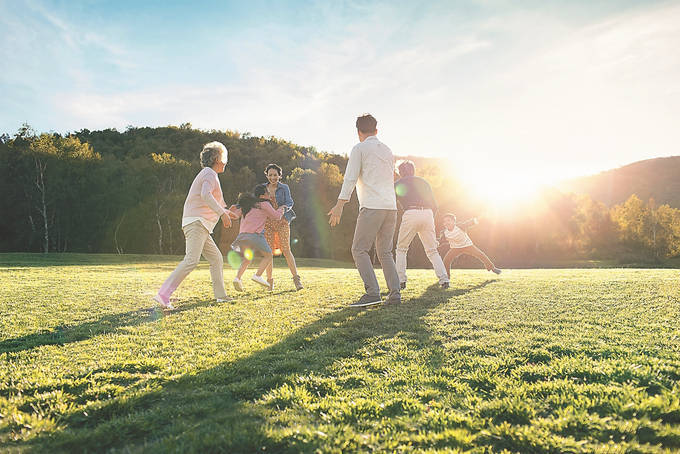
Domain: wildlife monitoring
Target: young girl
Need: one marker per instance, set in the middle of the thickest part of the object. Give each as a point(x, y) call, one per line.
point(460, 243)
point(254, 210)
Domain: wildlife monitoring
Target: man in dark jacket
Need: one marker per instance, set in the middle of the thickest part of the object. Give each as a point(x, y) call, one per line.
point(414, 194)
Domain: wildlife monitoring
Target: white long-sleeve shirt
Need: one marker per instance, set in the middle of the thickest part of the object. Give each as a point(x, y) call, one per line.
point(371, 169)
point(205, 201)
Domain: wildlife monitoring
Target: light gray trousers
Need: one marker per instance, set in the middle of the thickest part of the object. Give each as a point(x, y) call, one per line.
point(376, 226)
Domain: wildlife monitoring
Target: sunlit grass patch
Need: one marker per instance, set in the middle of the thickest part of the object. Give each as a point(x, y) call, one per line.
point(529, 361)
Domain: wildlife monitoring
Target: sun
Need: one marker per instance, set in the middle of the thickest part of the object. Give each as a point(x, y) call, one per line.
point(501, 189)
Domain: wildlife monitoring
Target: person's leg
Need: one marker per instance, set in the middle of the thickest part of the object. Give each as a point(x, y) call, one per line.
point(270, 270)
point(406, 234)
point(383, 245)
point(242, 269)
point(196, 236)
point(481, 256)
point(429, 239)
point(269, 236)
point(267, 258)
point(214, 257)
point(365, 233)
point(284, 239)
point(449, 258)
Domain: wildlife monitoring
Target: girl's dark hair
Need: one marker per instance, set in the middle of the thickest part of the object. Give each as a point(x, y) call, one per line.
point(273, 166)
point(249, 200)
point(260, 189)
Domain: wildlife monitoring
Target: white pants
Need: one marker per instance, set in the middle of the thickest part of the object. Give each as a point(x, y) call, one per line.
point(422, 223)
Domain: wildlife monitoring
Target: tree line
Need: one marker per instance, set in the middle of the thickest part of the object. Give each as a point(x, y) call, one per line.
point(122, 192)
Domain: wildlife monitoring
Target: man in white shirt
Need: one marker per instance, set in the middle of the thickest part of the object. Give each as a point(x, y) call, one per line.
point(371, 169)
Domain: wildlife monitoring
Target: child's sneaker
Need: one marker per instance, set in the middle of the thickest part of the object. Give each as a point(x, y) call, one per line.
point(238, 285)
point(165, 304)
point(226, 299)
point(496, 270)
point(260, 280)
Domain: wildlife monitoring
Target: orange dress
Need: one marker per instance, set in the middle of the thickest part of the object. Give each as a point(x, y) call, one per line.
point(277, 231)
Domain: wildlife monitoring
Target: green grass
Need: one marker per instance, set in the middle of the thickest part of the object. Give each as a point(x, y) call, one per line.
point(529, 361)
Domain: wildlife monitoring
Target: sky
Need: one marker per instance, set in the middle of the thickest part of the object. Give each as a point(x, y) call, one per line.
point(508, 91)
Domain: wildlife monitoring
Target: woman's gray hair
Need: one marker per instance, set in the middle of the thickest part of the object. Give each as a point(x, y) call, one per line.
point(211, 152)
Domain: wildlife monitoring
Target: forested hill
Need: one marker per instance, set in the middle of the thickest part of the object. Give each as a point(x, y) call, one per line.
point(657, 178)
point(112, 191)
point(123, 192)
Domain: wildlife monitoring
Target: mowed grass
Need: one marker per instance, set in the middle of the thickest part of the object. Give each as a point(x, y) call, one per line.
point(529, 361)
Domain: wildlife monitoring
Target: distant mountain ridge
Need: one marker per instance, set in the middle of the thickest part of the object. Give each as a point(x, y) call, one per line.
point(657, 178)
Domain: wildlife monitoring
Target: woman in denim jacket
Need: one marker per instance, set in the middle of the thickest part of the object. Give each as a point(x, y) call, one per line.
point(277, 232)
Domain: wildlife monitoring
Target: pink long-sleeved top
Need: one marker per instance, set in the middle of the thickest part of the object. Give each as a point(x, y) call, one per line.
point(253, 222)
point(205, 201)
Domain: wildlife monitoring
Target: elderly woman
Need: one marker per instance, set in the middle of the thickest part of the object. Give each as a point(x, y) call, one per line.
point(203, 207)
point(277, 231)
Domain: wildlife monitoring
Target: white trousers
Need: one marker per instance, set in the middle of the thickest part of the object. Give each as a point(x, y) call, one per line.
point(422, 223)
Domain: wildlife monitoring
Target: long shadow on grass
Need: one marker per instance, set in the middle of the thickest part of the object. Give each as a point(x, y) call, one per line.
point(66, 334)
point(214, 410)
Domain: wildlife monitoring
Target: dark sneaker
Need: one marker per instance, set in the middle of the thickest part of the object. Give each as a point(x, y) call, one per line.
point(402, 285)
point(393, 301)
point(496, 270)
point(367, 300)
point(444, 285)
point(298, 284)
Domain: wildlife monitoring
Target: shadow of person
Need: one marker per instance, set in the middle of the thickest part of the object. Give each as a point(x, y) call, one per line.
point(66, 334)
point(220, 409)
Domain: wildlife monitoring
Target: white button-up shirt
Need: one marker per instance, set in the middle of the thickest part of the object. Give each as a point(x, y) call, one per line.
point(371, 169)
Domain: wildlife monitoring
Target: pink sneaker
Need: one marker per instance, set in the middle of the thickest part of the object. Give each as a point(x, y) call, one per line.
point(165, 304)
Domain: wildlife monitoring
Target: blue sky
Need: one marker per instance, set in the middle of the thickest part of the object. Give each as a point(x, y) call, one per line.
point(537, 89)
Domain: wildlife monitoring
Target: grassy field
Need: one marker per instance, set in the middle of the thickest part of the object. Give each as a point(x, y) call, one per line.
point(557, 361)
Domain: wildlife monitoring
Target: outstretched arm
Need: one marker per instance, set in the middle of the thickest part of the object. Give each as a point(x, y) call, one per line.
point(467, 224)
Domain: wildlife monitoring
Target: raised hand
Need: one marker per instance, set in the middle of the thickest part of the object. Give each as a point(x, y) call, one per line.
point(226, 219)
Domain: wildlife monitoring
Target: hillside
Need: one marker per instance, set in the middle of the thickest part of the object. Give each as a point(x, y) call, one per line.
point(658, 178)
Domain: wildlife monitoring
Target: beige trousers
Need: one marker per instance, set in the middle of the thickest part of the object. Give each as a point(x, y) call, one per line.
point(198, 242)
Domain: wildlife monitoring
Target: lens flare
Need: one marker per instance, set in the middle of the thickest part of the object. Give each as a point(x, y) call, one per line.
point(248, 254)
point(401, 190)
point(233, 259)
point(294, 241)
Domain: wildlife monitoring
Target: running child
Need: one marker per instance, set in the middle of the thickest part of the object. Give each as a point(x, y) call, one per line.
point(254, 210)
point(460, 243)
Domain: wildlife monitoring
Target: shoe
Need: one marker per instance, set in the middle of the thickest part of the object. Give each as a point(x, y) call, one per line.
point(271, 284)
point(238, 285)
point(402, 285)
point(164, 304)
point(298, 284)
point(496, 270)
point(393, 301)
point(367, 300)
point(444, 285)
point(260, 280)
point(226, 299)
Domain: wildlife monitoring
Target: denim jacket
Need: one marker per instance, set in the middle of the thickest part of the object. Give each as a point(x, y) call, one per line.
point(283, 197)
